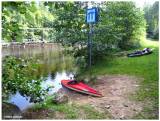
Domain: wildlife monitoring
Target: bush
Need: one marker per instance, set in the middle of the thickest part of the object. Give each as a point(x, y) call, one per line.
point(19, 75)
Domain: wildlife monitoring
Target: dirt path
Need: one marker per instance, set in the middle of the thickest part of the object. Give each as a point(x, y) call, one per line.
point(116, 91)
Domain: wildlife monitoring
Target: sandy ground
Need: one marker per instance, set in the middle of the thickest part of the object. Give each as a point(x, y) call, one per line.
point(116, 90)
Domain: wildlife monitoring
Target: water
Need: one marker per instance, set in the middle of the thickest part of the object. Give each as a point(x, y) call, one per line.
point(56, 83)
point(20, 101)
point(55, 66)
point(24, 102)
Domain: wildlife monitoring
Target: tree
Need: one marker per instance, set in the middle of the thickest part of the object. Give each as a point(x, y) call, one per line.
point(126, 21)
point(16, 16)
point(120, 26)
point(152, 19)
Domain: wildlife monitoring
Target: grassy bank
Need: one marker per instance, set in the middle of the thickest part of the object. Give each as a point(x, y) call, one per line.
point(144, 67)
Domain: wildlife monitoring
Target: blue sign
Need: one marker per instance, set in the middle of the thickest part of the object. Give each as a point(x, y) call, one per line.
point(92, 15)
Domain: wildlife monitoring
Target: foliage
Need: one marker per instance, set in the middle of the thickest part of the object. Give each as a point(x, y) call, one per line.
point(120, 25)
point(152, 19)
point(17, 75)
point(16, 16)
point(69, 18)
point(125, 24)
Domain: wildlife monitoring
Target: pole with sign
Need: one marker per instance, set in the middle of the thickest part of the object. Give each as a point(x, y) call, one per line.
point(91, 18)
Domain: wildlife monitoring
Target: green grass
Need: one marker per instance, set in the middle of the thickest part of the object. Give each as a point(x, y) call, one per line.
point(69, 110)
point(145, 67)
point(149, 43)
point(91, 113)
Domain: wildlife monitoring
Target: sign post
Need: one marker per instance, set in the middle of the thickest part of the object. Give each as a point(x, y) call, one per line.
point(91, 18)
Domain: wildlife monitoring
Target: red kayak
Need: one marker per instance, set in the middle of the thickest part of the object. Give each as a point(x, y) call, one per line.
point(80, 87)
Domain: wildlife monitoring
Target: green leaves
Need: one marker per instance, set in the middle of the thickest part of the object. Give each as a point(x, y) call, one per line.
point(19, 15)
point(19, 75)
point(125, 19)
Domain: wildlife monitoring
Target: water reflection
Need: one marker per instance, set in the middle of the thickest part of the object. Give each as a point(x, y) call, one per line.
point(20, 101)
point(53, 67)
point(55, 84)
point(30, 50)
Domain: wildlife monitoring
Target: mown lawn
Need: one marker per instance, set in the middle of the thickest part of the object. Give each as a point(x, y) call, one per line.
point(145, 67)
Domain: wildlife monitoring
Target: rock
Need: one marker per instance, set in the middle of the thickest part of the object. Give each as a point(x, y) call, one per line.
point(107, 106)
point(60, 98)
point(101, 103)
point(122, 117)
point(125, 105)
point(10, 111)
point(134, 110)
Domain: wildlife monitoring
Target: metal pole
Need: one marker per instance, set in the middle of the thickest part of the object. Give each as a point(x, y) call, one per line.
point(90, 45)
